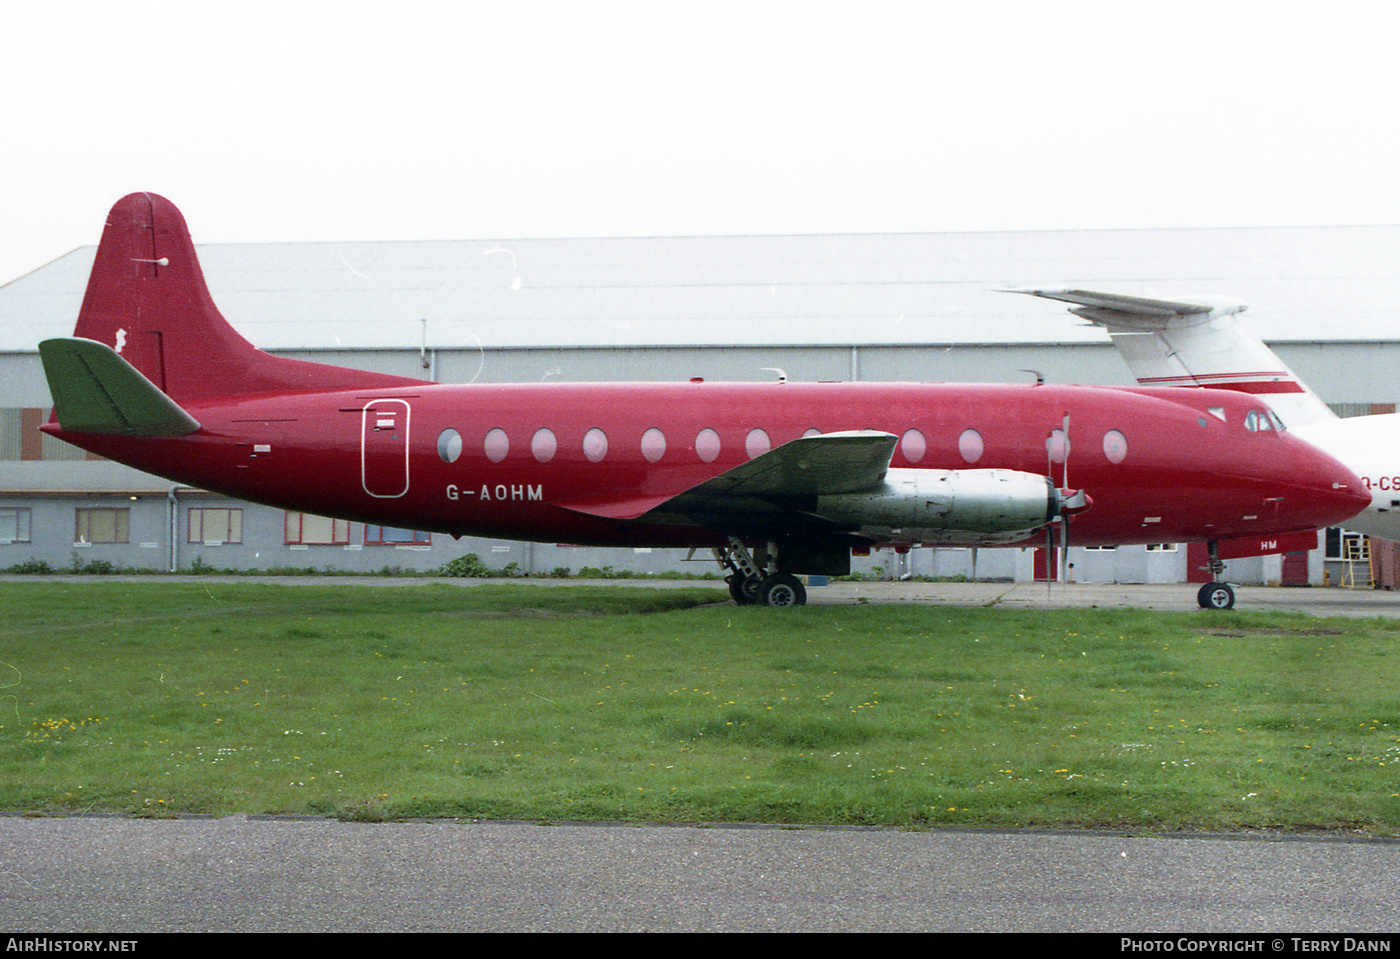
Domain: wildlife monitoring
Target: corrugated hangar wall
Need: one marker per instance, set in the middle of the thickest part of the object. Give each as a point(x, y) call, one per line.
point(915, 307)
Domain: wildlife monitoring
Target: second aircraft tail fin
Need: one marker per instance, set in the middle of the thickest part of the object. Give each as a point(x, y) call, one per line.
point(1194, 342)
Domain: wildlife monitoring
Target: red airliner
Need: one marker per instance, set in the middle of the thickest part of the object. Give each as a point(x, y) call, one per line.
point(777, 478)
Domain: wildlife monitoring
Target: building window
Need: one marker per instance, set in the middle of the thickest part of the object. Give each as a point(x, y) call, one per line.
point(102, 525)
point(304, 529)
point(1343, 544)
point(391, 536)
point(1161, 547)
point(14, 525)
point(215, 526)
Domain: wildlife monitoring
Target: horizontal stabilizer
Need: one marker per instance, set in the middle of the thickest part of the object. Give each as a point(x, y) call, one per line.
point(96, 391)
point(1118, 310)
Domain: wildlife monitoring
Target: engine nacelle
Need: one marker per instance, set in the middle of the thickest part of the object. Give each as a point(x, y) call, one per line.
point(953, 506)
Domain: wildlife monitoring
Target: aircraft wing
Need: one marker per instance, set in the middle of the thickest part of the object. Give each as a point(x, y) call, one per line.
point(821, 465)
point(96, 391)
point(772, 490)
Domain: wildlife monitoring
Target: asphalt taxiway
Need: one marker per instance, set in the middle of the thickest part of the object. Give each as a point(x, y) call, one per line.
point(247, 874)
point(1180, 597)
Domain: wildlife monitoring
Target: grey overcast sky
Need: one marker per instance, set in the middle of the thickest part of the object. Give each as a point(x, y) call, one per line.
point(299, 121)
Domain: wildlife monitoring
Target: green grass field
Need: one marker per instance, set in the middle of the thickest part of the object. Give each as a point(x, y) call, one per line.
point(661, 704)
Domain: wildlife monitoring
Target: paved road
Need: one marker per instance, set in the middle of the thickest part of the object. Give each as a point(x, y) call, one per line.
point(1314, 601)
point(241, 874)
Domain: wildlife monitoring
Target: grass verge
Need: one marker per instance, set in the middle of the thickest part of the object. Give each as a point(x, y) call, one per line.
point(646, 704)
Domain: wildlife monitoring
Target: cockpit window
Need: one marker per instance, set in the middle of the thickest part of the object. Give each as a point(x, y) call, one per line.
point(1259, 421)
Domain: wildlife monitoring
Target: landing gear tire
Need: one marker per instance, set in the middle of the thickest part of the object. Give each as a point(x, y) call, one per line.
point(743, 590)
point(781, 590)
point(753, 577)
point(1216, 596)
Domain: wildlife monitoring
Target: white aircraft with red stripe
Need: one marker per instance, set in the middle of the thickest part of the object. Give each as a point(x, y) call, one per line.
point(1199, 342)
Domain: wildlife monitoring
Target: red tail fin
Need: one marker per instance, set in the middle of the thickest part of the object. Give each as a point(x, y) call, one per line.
point(147, 299)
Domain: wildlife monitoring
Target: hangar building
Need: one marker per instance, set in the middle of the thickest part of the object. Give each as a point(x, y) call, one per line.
point(900, 307)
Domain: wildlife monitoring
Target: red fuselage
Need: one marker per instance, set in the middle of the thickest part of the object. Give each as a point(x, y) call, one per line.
point(559, 462)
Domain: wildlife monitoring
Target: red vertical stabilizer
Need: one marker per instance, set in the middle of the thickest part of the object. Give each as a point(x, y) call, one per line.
point(147, 299)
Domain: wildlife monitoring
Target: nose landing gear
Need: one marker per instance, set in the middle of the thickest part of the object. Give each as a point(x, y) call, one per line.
point(1217, 594)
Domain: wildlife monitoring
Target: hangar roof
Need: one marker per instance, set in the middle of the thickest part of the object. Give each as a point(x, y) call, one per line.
point(1302, 283)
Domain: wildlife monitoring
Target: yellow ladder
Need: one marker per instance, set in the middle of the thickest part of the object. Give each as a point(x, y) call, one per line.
point(1357, 553)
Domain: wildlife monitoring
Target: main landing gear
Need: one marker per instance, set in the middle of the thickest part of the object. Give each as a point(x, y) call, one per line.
point(754, 579)
point(1217, 594)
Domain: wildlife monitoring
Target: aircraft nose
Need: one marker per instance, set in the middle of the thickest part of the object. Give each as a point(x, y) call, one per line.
point(1334, 492)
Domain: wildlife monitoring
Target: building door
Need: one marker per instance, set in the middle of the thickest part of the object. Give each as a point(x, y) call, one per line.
point(1295, 569)
point(1197, 558)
